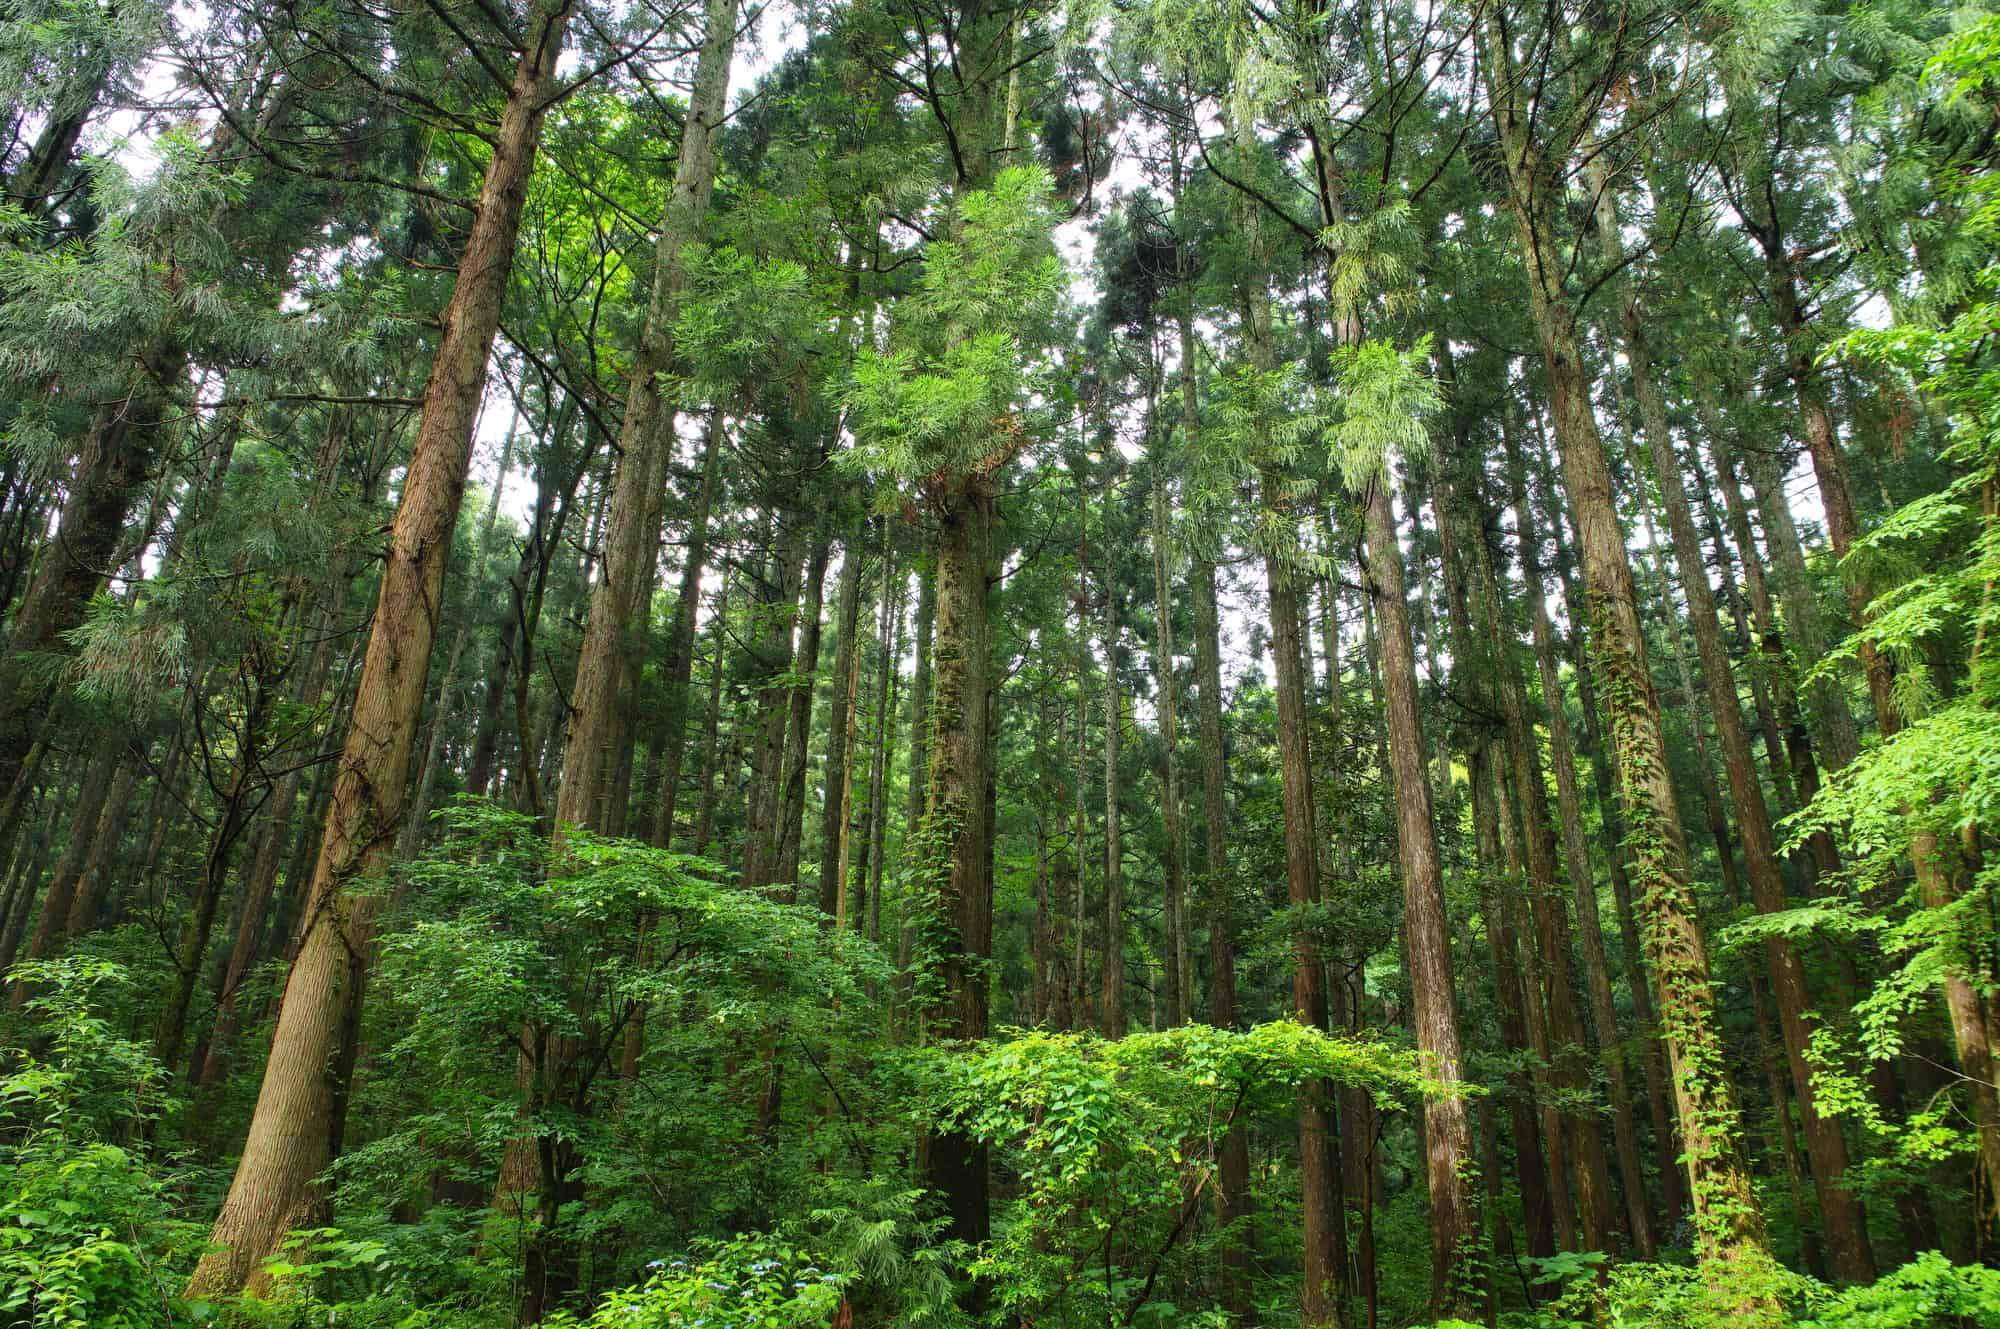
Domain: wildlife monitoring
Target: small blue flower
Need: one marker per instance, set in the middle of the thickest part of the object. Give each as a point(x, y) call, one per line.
point(655, 1264)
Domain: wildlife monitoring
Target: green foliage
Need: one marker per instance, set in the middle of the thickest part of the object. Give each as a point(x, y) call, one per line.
point(88, 1233)
point(1385, 397)
point(748, 1283)
point(937, 399)
point(1115, 1145)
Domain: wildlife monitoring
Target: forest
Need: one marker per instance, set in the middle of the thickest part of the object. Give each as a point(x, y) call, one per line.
point(999, 664)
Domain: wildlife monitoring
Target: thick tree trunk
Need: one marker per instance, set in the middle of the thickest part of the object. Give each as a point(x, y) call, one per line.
point(1841, 1212)
point(297, 1124)
point(956, 915)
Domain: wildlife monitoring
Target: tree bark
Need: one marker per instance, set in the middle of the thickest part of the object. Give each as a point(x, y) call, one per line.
point(1449, 1162)
point(1166, 690)
point(1738, 1271)
point(1111, 1004)
point(677, 669)
point(1845, 1221)
point(614, 636)
point(798, 704)
point(297, 1124)
point(1583, 881)
point(835, 809)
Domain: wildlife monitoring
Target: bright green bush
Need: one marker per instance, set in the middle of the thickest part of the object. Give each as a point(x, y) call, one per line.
point(88, 1236)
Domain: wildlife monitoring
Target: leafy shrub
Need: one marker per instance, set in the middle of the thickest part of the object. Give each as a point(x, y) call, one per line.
point(87, 1235)
point(749, 1283)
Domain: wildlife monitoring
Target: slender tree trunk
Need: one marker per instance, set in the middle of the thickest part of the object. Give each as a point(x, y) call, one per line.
point(1738, 1272)
point(420, 803)
point(1111, 1006)
point(678, 667)
point(840, 732)
point(102, 859)
point(615, 633)
point(711, 746)
point(116, 456)
point(301, 1106)
point(889, 654)
point(233, 817)
point(92, 794)
point(798, 717)
point(1214, 786)
point(1449, 1161)
point(1166, 690)
point(1583, 881)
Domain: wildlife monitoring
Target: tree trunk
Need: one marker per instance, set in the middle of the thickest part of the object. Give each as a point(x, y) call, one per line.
point(1166, 690)
point(91, 797)
point(889, 654)
point(1111, 1005)
point(1233, 1181)
point(298, 1120)
point(420, 804)
point(116, 456)
point(1576, 857)
point(615, 634)
point(1841, 1212)
point(1448, 1158)
point(840, 732)
point(677, 670)
point(798, 718)
point(956, 915)
point(1738, 1271)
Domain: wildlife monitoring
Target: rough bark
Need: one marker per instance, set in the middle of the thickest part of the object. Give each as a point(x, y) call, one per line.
point(1737, 1267)
point(1576, 861)
point(297, 1123)
point(1449, 1162)
point(615, 634)
point(1111, 968)
point(1845, 1221)
point(836, 808)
